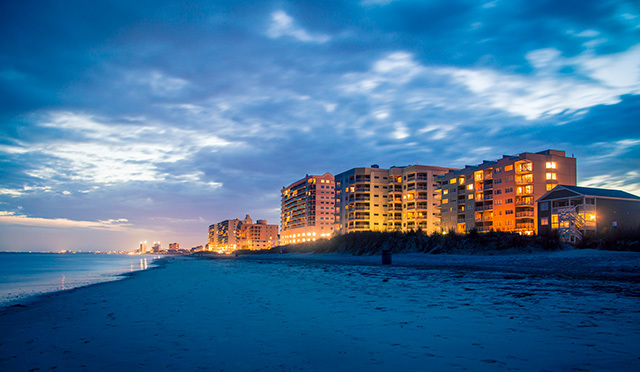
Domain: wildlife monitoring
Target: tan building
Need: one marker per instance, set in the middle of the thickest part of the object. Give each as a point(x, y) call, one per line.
point(500, 195)
point(307, 209)
point(229, 235)
point(395, 199)
point(259, 235)
point(223, 236)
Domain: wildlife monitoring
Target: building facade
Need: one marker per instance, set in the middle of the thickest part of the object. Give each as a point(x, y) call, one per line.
point(500, 195)
point(143, 247)
point(395, 199)
point(575, 211)
point(307, 209)
point(259, 235)
point(223, 236)
point(230, 235)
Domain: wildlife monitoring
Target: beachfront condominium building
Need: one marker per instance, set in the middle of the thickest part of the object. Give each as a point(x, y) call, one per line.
point(500, 195)
point(229, 235)
point(395, 199)
point(307, 209)
point(223, 236)
point(259, 235)
point(143, 247)
point(576, 211)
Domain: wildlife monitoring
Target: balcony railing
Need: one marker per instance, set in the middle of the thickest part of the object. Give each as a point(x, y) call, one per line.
point(524, 226)
point(524, 202)
point(525, 214)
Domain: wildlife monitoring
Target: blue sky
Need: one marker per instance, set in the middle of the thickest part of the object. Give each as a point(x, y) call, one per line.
point(149, 120)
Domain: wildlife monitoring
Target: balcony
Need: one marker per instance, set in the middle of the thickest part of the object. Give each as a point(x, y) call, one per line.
point(524, 180)
point(525, 214)
point(524, 202)
point(524, 225)
point(524, 168)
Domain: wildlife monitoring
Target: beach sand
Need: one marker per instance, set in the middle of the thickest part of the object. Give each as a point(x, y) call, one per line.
point(543, 312)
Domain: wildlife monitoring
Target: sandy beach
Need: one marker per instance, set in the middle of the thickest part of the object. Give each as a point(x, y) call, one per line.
point(562, 311)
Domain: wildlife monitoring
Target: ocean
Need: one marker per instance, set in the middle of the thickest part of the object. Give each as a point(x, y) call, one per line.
point(23, 275)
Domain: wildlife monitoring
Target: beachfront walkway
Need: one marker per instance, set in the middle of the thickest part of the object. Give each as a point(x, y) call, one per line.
point(255, 314)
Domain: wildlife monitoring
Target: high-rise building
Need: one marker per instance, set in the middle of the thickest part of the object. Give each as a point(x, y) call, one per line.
point(229, 235)
point(500, 195)
point(395, 199)
point(174, 246)
point(307, 209)
point(156, 247)
point(259, 235)
point(223, 236)
point(143, 247)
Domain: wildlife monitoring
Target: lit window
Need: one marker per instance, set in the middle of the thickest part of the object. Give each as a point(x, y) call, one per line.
point(554, 221)
point(550, 186)
point(544, 221)
point(470, 196)
point(551, 176)
point(552, 165)
point(470, 187)
point(445, 192)
point(445, 201)
point(508, 168)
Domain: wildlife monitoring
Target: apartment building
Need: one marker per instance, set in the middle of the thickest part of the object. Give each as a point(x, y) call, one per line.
point(229, 235)
point(223, 236)
point(500, 195)
point(259, 235)
point(395, 199)
point(307, 209)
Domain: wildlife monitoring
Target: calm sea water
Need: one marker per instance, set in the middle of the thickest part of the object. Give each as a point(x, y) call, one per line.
point(23, 275)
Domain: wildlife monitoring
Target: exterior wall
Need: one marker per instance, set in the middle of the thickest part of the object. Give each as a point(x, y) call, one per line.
point(361, 199)
point(307, 209)
point(625, 214)
point(420, 201)
point(500, 195)
point(257, 236)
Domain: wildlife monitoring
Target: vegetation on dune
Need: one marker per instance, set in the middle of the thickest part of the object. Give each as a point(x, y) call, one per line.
point(373, 242)
point(613, 240)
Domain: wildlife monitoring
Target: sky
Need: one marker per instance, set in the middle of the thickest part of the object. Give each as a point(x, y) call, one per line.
point(123, 121)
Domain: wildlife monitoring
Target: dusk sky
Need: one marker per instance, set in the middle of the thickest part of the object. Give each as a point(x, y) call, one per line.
point(124, 121)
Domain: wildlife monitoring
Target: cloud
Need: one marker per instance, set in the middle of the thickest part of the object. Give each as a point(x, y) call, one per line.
point(283, 25)
point(547, 91)
point(101, 151)
point(627, 181)
point(9, 218)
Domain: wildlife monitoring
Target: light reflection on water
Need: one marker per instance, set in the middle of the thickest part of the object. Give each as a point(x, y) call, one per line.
point(27, 274)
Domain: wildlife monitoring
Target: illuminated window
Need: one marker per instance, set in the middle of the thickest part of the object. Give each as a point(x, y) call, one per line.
point(550, 186)
point(478, 176)
point(544, 221)
point(554, 221)
point(461, 180)
point(508, 168)
point(470, 196)
point(445, 201)
point(453, 180)
point(552, 165)
point(470, 187)
point(551, 176)
point(445, 192)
